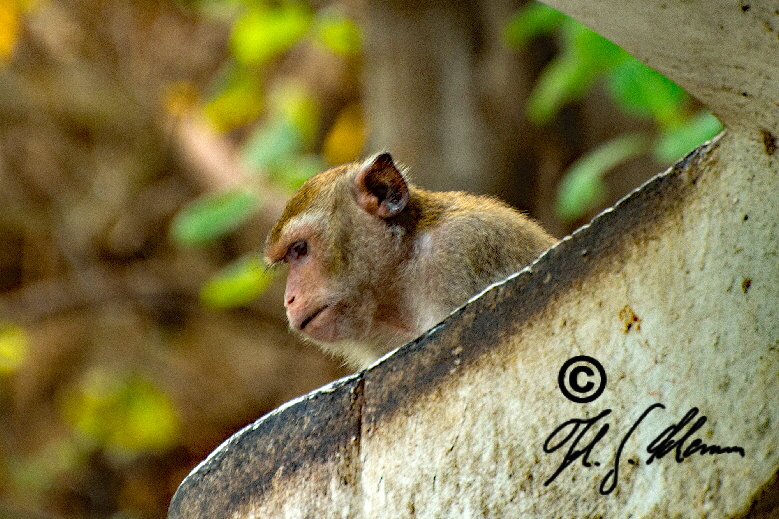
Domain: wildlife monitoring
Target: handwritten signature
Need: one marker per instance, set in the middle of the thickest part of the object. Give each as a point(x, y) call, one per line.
point(571, 433)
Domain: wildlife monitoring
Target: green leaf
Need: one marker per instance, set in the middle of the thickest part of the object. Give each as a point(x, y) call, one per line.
point(338, 33)
point(296, 171)
point(272, 144)
point(533, 20)
point(594, 50)
point(582, 188)
point(263, 32)
point(286, 134)
point(584, 56)
point(213, 216)
point(237, 284)
point(642, 91)
point(677, 142)
point(563, 80)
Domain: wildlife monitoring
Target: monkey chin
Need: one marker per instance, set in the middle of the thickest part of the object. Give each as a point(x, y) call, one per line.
point(355, 354)
point(319, 325)
point(327, 328)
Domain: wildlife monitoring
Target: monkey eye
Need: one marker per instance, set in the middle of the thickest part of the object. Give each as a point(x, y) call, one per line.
point(297, 250)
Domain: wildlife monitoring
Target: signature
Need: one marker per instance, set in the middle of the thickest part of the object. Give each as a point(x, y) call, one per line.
point(674, 439)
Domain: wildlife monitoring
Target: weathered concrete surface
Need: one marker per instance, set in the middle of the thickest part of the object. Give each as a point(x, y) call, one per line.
point(675, 291)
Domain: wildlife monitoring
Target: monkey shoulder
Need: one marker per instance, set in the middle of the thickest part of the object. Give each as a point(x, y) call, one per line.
point(458, 215)
point(490, 237)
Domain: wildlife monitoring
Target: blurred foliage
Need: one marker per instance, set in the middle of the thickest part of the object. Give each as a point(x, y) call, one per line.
point(213, 216)
point(278, 114)
point(33, 475)
point(122, 413)
point(264, 31)
point(105, 354)
point(13, 347)
point(582, 187)
point(122, 416)
point(338, 33)
point(10, 14)
point(584, 58)
point(344, 140)
point(239, 99)
point(280, 146)
point(237, 284)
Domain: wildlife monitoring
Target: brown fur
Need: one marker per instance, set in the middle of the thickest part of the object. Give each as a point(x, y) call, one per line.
point(388, 267)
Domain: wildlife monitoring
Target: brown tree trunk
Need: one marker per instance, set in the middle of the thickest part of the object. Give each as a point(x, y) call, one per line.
point(435, 91)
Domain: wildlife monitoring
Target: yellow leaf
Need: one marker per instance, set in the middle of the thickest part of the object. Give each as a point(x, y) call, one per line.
point(238, 103)
point(123, 412)
point(346, 138)
point(9, 28)
point(13, 347)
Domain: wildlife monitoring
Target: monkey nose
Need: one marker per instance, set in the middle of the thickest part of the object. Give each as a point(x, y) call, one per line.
point(289, 300)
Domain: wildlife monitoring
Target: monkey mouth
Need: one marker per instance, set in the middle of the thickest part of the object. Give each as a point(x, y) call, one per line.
point(311, 317)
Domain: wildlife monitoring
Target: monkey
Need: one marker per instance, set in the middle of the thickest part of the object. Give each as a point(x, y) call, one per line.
point(374, 260)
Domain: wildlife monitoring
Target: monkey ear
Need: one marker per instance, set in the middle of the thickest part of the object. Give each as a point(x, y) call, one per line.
point(380, 188)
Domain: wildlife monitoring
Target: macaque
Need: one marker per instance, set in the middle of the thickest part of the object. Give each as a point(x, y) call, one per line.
point(374, 260)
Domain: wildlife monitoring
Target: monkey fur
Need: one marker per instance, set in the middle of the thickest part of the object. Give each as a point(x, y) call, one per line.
point(374, 260)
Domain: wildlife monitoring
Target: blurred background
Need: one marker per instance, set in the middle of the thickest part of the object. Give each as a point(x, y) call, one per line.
point(146, 147)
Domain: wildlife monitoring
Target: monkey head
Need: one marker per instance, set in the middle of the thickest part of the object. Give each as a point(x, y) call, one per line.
point(344, 240)
point(374, 260)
